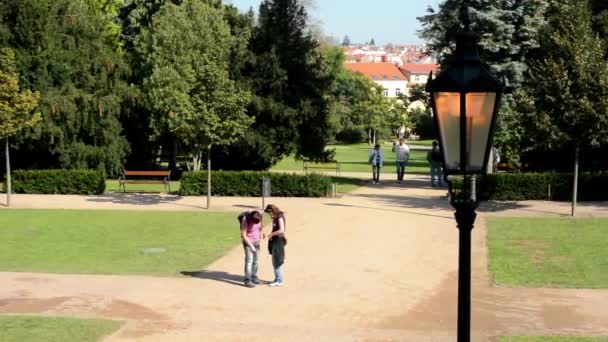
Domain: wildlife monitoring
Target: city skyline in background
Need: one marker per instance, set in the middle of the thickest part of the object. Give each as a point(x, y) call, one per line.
point(387, 21)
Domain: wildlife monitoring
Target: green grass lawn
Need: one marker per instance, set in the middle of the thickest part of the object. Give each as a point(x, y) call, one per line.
point(553, 339)
point(112, 186)
point(113, 242)
point(547, 252)
point(346, 184)
point(354, 158)
point(54, 329)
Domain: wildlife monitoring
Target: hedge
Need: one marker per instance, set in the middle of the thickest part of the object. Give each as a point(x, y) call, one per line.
point(73, 182)
point(248, 183)
point(542, 186)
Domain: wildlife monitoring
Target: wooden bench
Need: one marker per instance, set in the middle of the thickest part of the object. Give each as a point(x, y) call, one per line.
point(125, 178)
point(326, 165)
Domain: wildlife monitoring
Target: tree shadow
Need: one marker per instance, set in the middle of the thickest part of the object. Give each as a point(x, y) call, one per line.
point(141, 199)
point(220, 276)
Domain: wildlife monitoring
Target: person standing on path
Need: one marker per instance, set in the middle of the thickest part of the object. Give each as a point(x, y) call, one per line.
point(251, 235)
point(276, 243)
point(376, 158)
point(434, 159)
point(402, 152)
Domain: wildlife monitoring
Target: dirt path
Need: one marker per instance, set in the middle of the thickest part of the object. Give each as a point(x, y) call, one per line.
point(376, 265)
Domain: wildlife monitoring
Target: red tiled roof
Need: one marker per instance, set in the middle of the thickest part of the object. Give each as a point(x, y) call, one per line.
point(377, 71)
point(420, 68)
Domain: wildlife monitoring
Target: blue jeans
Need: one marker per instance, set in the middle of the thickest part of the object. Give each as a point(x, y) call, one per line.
point(251, 262)
point(436, 173)
point(400, 170)
point(278, 274)
point(376, 173)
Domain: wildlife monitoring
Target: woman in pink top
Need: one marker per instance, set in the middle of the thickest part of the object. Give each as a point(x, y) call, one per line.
point(251, 234)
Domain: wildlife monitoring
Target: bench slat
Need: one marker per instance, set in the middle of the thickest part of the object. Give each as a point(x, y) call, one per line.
point(148, 173)
point(141, 182)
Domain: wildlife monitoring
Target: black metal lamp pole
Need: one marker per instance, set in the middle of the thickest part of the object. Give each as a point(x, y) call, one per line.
point(465, 98)
point(465, 204)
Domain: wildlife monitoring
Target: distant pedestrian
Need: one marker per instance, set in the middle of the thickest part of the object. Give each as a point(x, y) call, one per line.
point(376, 159)
point(434, 159)
point(402, 152)
point(276, 243)
point(251, 235)
point(495, 159)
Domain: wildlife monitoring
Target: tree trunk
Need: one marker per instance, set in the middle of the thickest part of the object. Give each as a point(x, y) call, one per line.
point(575, 181)
point(8, 176)
point(209, 177)
point(369, 136)
point(375, 136)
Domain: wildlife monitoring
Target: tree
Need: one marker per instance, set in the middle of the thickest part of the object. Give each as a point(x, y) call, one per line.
point(190, 93)
point(372, 42)
point(508, 31)
point(569, 83)
point(16, 108)
point(289, 80)
point(346, 41)
point(62, 51)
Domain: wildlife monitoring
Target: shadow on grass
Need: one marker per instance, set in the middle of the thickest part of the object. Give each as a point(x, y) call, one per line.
point(223, 277)
point(140, 199)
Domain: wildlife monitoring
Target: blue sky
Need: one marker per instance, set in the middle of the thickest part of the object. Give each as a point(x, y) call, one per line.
point(386, 21)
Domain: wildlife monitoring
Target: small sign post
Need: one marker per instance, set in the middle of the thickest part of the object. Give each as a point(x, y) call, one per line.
point(265, 190)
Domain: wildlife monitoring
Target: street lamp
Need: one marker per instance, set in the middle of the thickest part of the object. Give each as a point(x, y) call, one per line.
point(465, 98)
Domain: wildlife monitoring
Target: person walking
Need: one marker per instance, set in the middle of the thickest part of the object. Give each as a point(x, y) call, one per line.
point(276, 243)
point(376, 159)
point(495, 159)
point(251, 235)
point(402, 152)
point(434, 159)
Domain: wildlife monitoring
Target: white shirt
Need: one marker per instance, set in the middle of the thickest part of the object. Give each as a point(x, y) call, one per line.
point(402, 152)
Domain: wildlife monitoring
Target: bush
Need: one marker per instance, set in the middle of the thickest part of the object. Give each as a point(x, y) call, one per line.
point(247, 183)
point(423, 124)
point(542, 186)
point(351, 135)
point(73, 182)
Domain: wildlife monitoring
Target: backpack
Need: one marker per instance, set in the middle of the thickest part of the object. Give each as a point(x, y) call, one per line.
point(241, 215)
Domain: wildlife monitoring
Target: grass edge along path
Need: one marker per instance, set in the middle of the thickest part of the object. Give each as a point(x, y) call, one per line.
point(113, 242)
point(354, 158)
point(548, 252)
point(54, 329)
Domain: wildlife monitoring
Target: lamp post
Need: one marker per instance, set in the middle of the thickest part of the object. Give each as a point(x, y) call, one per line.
point(465, 98)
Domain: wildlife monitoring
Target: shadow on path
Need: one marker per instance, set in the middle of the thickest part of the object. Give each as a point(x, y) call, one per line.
point(144, 199)
point(224, 277)
point(389, 210)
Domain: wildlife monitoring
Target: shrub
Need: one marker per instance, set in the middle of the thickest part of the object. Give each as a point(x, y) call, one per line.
point(351, 135)
point(542, 186)
point(248, 183)
point(75, 182)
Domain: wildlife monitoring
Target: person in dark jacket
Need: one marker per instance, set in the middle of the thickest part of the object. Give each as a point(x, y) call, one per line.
point(276, 243)
point(434, 159)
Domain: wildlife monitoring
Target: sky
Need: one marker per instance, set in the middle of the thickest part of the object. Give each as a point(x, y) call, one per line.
point(386, 21)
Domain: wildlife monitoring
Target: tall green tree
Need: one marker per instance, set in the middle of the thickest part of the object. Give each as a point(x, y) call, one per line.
point(569, 83)
point(16, 108)
point(508, 31)
point(190, 93)
point(290, 82)
point(62, 51)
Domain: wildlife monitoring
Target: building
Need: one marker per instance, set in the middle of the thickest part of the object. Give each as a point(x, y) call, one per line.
point(418, 74)
point(387, 75)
